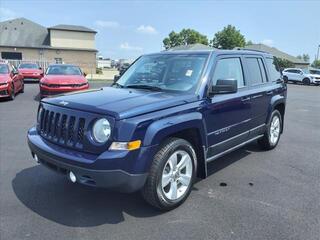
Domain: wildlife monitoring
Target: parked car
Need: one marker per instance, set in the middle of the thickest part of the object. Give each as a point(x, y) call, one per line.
point(162, 122)
point(11, 81)
point(298, 75)
point(62, 78)
point(316, 74)
point(30, 71)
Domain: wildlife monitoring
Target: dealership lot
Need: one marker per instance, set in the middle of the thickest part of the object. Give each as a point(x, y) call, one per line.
point(250, 194)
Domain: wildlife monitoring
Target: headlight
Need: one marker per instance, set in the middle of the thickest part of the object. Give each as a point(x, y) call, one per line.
point(101, 130)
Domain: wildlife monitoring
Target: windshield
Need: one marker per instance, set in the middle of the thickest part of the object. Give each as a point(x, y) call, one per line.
point(4, 69)
point(28, 66)
point(175, 72)
point(63, 70)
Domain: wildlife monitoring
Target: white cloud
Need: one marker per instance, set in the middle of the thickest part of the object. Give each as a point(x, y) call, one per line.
point(147, 29)
point(107, 24)
point(127, 46)
point(268, 42)
point(6, 14)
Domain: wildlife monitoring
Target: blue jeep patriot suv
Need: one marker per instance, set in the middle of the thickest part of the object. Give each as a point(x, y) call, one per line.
point(158, 126)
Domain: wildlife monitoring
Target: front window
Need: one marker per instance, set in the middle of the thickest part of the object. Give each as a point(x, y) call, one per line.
point(28, 66)
point(63, 70)
point(4, 69)
point(167, 72)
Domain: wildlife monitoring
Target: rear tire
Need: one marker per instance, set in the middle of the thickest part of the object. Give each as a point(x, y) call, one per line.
point(171, 175)
point(272, 134)
point(306, 81)
point(22, 88)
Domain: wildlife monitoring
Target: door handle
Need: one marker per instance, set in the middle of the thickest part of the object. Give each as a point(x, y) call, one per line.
point(244, 99)
point(257, 96)
point(269, 92)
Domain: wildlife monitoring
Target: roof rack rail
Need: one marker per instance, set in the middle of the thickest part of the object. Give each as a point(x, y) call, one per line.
point(248, 49)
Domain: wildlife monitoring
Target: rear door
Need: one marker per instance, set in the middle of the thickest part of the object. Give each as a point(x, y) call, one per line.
point(261, 91)
point(227, 115)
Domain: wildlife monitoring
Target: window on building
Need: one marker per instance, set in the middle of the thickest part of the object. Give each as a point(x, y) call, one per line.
point(58, 60)
point(11, 55)
point(229, 68)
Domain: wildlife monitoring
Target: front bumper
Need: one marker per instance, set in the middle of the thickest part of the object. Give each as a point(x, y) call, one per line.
point(5, 91)
point(87, 167)
point(51, 91)
point(31, 77)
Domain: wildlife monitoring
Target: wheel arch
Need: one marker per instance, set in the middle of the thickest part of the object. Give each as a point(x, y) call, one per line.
point(278, 103)
point(189, 127)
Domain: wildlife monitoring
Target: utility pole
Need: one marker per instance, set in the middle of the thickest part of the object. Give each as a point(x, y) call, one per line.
point(318, 52)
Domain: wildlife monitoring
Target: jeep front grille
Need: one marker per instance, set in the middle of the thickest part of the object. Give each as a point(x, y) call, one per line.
point(62, 128)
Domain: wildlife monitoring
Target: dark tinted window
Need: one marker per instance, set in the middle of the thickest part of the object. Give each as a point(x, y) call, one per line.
point(274, 70)
point(229, 68)
point(254, 71)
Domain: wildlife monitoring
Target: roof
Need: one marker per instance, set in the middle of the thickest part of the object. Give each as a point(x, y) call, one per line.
point(276, 53)
point(21, 32)
point(75, 28)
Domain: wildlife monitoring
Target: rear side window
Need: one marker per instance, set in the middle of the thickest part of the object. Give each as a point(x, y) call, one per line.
point(255, 73)
point(229, 68)
point(274, 70)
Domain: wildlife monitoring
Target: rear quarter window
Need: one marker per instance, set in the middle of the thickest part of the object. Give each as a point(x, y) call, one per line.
point(273, 69)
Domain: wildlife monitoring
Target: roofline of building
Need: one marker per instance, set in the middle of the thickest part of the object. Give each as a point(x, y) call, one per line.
point(53, 48)
point(72, 30)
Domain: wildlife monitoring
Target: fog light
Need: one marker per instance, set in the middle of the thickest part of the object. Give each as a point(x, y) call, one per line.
point(72, 177)
point(36, 158)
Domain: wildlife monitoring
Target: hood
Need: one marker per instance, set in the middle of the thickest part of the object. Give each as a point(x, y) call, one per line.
point(4, 78)
point(121, 103)
point(314, 75)
point(63, 79)
point(29, 70)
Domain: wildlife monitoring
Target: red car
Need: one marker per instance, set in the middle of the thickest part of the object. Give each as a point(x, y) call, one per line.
point(62, 78)
point(11, 81)
point(31, 71)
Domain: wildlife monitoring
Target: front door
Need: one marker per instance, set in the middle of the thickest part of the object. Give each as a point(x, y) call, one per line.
point(227, 115)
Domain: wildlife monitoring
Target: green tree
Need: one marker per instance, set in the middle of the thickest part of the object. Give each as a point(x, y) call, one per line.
point(283, 63)
point(249, 43)
point(228, 38)
point(304, 57)
point(316, 64)
point(185, 37)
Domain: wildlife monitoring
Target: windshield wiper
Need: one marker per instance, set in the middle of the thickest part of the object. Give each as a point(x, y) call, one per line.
point(141, 86)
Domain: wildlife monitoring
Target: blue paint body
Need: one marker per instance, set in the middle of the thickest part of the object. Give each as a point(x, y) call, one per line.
point(151, 117)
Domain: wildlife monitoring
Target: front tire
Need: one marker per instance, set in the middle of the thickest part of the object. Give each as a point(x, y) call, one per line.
point(171, 175)
point(285, 79)
point(12, 93)
point(306, 81)
point(272, 134)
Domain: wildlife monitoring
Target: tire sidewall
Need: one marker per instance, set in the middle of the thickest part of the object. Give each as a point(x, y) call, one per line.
point(183, 145)
point(12, 93)
point(274, 113)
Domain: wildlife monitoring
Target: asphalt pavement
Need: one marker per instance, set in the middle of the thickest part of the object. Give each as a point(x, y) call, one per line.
point(250, 194)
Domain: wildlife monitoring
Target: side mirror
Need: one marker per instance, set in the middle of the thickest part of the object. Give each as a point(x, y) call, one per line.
point(84, 74)
point(225, 86)
point(40, 68)
point(116, 78)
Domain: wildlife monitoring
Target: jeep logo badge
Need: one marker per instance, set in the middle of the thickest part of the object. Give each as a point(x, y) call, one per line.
point(64, 103)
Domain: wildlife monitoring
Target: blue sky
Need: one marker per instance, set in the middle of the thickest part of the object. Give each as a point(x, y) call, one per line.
point(127, 29)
